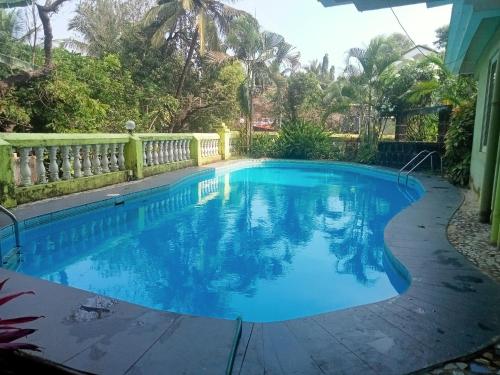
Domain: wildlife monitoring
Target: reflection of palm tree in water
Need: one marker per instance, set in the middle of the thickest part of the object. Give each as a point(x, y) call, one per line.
point(193, 258)
point(230, 257)
point(357, 243)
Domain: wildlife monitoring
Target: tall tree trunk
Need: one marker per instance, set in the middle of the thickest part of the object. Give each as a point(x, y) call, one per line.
point(250, 114)
point(23, 77)
point(369, 129)
point(48, 36)
point(182, 79)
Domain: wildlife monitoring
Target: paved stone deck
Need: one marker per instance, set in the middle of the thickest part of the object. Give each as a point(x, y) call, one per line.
point(450, 309)
point(472, 238)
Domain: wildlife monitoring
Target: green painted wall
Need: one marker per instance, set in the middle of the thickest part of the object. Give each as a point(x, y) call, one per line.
point(54, 189)
point(481, 74)
point(162, 168)
point(56, 139)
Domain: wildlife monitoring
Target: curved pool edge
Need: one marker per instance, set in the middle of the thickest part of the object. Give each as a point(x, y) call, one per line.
point(449, 310)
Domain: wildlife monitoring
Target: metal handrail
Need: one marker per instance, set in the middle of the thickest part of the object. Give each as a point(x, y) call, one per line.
point(15, 221)
point(420, 162)
point(411, 161)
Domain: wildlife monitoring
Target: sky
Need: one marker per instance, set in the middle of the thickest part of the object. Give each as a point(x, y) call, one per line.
point(315, 30)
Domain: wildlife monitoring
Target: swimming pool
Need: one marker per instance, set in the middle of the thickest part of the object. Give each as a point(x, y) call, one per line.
point(266, 241)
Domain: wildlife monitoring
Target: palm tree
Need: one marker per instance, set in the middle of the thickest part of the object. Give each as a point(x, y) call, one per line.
point(102, 23)
point(365, 67)
point(267, 58)
point(443, 88)
point(206, 21)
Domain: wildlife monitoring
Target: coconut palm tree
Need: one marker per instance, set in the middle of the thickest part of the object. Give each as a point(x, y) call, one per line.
point(267, 59)
point(205, 22)
point(364, 68)
point(102, 24)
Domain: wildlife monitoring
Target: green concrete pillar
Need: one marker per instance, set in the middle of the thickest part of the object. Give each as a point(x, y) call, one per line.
point(491, 153)
point(195, 149)
point(134, 159)
point(7, 185)
point(225, 136)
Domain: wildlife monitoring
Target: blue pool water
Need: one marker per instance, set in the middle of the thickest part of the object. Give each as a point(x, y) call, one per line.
point(278, 241)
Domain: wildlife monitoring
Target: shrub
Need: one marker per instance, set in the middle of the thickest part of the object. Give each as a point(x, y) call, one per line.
point(303, 140)
point(458, 143)
point(262, 145)
point(367, 153)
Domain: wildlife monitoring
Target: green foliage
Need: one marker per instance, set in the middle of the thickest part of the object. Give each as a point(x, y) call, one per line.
point(458, 143)
point(422, 128)
point(394, 84)
point(442, 37)
point(366, 153)
point(86, 94)
point(263, 145)
point(219, 92)
point(303, 140)
point(304, 96)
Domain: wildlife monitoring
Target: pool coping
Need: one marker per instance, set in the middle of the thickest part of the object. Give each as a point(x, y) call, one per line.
point(449, 310)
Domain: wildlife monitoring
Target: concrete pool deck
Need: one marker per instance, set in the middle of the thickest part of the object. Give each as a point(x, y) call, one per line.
point(450, 309)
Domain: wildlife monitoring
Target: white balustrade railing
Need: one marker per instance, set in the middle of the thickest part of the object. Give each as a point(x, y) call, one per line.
point(41, 165)
point(209, 147)
point(157, 152)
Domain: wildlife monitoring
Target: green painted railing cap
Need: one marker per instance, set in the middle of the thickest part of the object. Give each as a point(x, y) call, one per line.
point(56, 139)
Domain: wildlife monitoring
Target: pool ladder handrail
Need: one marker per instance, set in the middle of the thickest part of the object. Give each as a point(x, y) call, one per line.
point(14, 221)
point(426, 154)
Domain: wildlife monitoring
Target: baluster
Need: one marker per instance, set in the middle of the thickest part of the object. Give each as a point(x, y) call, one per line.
point(104, 159)
point(175, 151)
point(41, 177)
point(149, 152)
point(165, 151)
point(161, 145)
point(25, 169)
point(155, 153)
point(77, 165)
point(53, 166)
point(216, 147)
point(166, 156)
point(86, 161)
point(211, 147)
point(121, 157)
point(202, 148)
point(184, 151)
point(144, 156)
point(113, 161)
point(170, 151)
point(179, 150)
point(188, 149)
point(96, 161)
point(66, 165)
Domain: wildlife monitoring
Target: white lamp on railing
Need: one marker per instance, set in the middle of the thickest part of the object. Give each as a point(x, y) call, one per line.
point(130, 126)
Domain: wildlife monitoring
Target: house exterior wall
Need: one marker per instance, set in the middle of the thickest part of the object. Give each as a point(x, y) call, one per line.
point(478, 151)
